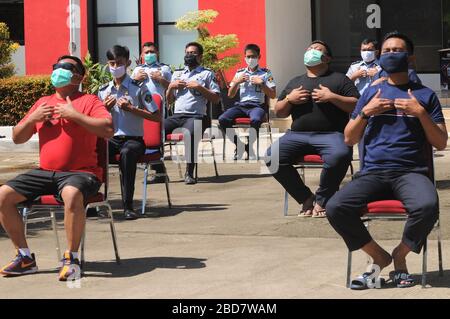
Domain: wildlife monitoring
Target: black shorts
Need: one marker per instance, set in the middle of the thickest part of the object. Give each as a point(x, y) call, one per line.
point(37, 182)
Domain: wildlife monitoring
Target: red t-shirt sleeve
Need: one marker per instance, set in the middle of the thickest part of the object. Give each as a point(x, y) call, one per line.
point(98, 109)
point(33, 108)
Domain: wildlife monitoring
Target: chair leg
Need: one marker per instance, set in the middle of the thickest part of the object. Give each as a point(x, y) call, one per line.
point(55, 233)
point(349, 269)
point(144, 191)
point(113, 235)
point(196, 171)
point(270, 134)
point(441, 268)
point(424, 264)
point(302, 174)
point(83, 239)
point(25, 219)
point(214, 158)
point(166, 181)
point(286, 203)
point(224, 147)
point(178, 161)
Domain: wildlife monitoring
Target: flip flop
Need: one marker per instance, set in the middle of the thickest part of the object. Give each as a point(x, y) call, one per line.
point(303, 211)
point(319, 211)
point(400, 276)
point(304, 215)
point(362, 282)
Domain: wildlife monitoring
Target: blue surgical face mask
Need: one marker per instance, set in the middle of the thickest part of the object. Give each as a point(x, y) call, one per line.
point(313, 57)
point(394, 62)
point(61, 77)
point(150, 58)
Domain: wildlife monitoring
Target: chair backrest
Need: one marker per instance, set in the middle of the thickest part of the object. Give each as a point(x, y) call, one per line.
point(153, 131)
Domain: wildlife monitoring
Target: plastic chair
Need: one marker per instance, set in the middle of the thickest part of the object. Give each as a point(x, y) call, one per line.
point(393, 210)
point(48, 203)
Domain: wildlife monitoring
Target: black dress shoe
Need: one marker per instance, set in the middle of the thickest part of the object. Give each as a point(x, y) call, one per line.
point(189, 180)
point(156, 179)
point(130, 214)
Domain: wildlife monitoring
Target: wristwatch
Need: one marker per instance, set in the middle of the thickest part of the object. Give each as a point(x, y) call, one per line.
point(363, 115)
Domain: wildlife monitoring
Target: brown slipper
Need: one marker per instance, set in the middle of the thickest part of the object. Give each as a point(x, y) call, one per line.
point(319, 212)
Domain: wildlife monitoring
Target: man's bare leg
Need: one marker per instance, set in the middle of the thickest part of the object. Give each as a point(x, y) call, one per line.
point(380, 256)
point(74, 216)
point(10, 218)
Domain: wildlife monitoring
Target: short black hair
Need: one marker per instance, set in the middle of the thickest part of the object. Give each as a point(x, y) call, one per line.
point(197, 45)
point(404, 37)
point(369, 41)
point(118, 51)
point(253, 47)
point(79, 64)
point(327, 47)
point(150, 44)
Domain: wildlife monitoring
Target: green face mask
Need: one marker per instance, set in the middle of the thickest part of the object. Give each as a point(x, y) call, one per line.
point(150, 58)
point(61, 77)
point(313, 57)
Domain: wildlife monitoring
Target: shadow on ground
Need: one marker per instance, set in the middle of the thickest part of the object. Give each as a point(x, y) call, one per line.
point(441, 185)
point(223, 179)
point(138, 266)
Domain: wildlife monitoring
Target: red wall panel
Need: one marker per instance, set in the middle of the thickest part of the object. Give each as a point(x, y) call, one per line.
point(246, 19)
point(147, 21)
point(46, 33)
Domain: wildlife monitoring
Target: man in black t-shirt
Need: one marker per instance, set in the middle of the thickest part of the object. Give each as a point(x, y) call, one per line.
point(319, 102)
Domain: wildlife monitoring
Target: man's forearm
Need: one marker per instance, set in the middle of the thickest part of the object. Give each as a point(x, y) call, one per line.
point(23, 132)
point(436, 134)
point(354, 131)
point(209, 95)
point(170, 96)
point(233, 91)
point(102, 127)
point(283, 109)
point(345, 103)
point(271, 93)
point(155, 117)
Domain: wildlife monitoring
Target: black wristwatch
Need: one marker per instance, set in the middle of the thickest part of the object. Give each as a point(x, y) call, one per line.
point(363, 115)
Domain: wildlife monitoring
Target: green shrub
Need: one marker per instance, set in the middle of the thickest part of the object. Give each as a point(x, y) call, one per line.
point(18, 94)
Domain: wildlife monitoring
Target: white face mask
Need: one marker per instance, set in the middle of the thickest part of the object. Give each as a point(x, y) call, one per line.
point(368, 56)
point(251, 62)
point(118, 72)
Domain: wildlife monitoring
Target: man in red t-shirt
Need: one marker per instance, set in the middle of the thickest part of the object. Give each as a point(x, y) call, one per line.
point(68, 123)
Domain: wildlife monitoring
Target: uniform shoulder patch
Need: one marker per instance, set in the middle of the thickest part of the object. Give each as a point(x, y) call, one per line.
point(357, 62)
point(241, 70)
point(180, 69)
point(265, 69)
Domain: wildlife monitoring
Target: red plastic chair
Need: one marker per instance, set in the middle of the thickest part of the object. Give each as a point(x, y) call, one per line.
point(393, 210)
point(307, 161)
point(48, 203)
point(244, 123)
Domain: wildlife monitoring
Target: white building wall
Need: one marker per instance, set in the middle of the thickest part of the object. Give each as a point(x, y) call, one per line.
point(18, 59)
point(288, 33)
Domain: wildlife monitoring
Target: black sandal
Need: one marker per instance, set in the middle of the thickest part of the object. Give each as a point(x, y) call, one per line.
point(402, 279)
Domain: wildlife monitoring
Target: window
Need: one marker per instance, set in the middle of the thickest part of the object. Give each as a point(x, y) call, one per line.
point(12, 13)
point(344, 24)
point(117, 22)
point(172, 41)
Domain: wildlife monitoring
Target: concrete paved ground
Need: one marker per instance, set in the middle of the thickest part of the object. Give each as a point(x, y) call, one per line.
point(224, 238)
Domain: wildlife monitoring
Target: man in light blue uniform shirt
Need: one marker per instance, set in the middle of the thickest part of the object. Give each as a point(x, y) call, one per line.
point(155, 75)
point(253, 83)
point(129, 102)
point(191, 89)
point(363, 73)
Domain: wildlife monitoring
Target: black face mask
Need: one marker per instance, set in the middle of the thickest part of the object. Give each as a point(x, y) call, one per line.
point(190, 60)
